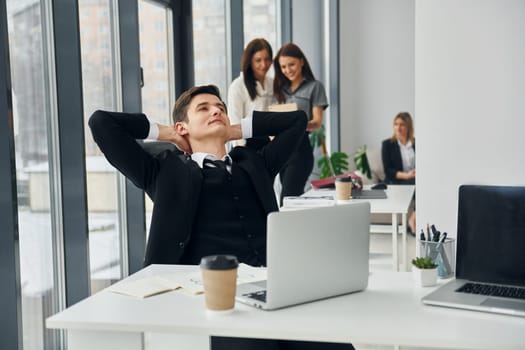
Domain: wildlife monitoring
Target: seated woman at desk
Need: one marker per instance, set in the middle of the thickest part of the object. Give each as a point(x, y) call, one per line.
point(399, 158)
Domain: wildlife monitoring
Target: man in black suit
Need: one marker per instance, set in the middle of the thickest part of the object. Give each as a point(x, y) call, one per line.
point(181, 186)
point(210, 202)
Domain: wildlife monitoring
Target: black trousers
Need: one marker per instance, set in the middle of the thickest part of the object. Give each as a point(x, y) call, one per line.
point(297, 170)
point(224, 343)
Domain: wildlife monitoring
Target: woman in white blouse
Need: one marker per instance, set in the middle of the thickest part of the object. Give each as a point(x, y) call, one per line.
point(399, 158)
point(253, 89)
point(399, 152)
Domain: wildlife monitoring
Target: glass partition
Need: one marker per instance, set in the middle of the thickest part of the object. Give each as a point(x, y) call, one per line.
point(100, 92)
point(209, 40)
point(32, 105)
point(156, 57)
point(261, 20)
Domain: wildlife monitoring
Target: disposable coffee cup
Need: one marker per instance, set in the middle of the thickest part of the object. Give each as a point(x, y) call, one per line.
point(219, 277)
point(343, 188)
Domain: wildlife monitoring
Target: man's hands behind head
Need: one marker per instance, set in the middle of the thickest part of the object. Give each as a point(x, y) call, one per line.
point(235, 132)
point(168, 133)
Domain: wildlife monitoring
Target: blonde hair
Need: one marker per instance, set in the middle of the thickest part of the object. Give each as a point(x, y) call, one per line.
point(407, 119)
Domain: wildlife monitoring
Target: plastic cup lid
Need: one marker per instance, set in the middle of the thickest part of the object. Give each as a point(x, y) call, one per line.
point(219, 262)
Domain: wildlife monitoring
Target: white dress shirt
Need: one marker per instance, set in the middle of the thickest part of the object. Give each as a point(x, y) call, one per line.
point(408, 156)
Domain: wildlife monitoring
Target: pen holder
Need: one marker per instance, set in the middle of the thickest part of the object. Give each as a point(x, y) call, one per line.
point(442, 253)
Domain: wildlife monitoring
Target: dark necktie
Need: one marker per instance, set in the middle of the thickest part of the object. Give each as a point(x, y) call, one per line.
point(220, 164)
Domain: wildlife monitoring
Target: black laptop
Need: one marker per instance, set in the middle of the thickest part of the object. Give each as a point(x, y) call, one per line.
point(368, 194)
point(490, 259)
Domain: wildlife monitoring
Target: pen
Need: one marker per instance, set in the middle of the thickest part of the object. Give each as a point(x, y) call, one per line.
point(440, 241)
point(422, 239)
point(434, 231)
point(436, 236)
point(445, 268)
point(428, 234)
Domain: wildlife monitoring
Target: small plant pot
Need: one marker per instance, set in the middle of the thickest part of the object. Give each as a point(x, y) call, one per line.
point(425, 277)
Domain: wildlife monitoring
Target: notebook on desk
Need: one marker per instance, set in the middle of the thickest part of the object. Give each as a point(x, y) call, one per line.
point(490, 259)
point(312, 254)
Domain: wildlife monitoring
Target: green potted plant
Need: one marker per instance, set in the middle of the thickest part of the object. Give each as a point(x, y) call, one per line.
point(361, 162)
point(329, 164)
point(424, 270)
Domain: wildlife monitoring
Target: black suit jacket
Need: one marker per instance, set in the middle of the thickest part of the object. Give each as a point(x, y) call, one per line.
point(392, 163)
point(173, 182)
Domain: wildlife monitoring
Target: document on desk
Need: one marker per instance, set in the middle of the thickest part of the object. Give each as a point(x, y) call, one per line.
point(191, 283)
point(144, 287)
point(308, 202)
point(187, 283)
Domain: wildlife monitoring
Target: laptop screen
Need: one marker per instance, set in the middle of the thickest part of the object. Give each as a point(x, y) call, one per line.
point(491, 234)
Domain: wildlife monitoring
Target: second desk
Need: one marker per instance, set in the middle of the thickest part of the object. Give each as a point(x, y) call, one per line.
point(396, 204)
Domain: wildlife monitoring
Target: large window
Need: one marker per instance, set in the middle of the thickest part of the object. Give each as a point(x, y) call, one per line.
point(209, 40)
point(99, 92)
point(155, 58)
point(31, 114)
point(39, 149)
point(260, 20)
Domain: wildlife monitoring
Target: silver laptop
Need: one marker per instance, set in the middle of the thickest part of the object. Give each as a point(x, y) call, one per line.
point(312, 254)
point(490, 259)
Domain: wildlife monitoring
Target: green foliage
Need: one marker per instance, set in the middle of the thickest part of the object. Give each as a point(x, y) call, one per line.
point(335, 164)
point(423, 263)
point(317, 137)
point(330, 165)
point(361, 162)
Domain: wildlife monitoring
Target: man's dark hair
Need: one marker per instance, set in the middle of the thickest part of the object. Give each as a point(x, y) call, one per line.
point(180, 111)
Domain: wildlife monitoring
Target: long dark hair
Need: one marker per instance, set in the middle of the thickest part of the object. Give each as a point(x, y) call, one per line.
point(288, 50)
point(253, 46)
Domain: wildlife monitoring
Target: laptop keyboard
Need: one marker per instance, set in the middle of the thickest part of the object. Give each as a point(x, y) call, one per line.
point(259, 295)
point(493, 290)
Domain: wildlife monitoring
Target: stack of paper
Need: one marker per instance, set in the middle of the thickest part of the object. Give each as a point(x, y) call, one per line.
point(144, 287)
point(188, 283)
point(308, 202)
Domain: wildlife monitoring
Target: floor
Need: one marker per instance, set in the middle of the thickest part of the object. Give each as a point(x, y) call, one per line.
point(381, 250)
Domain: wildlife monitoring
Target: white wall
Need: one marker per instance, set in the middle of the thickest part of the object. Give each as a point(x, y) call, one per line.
point(376, 69)
point(458, 66)
point(470, 100)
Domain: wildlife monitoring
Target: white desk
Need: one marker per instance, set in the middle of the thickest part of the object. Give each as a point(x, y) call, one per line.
point(389, 312)
point(397, 203)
